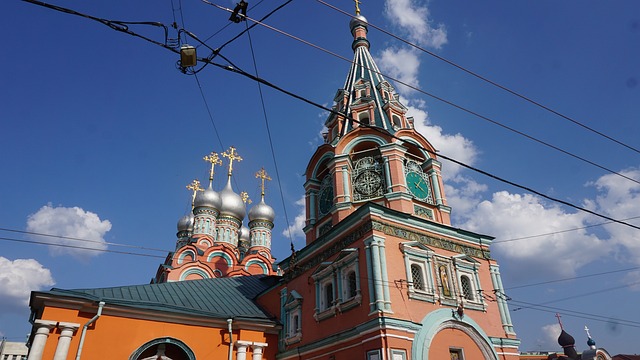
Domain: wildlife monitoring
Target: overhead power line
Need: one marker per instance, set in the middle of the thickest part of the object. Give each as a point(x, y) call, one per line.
point(445, 101)
point(81, 239)
point(487, 80)
point(315, 104)
point(68, 246)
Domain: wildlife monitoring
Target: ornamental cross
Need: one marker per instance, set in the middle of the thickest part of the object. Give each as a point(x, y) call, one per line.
point(262, 175)
point(214, 160)
point(587, 330)
point(358, 2)
point(232, 155)
point(245, 197)
point(195, 187)
point(559, 321)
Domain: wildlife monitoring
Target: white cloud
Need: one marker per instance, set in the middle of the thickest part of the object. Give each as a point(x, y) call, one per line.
point(414, 18)
point(73, 223)
point(619, 198)
point(400, 64)
point(299, 222)
point(17, 279)
point(455, 146)
point(550, 335)
point(518, 217)
point(511, 216)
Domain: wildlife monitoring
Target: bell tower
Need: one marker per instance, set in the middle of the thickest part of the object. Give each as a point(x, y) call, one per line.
point(372, 152)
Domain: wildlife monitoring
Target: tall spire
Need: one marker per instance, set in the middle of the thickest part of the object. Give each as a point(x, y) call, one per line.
point(366, 96)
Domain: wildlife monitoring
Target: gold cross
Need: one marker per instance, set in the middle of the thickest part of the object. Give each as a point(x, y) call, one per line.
point(232, 155)
point(245, 197)
point(262, 175)
point(358, 2)
point(195, 187)
point(214, 160)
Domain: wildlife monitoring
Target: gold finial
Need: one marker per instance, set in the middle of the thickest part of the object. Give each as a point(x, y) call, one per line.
point(357, 6)
point(214, 160)
point(262, 175)
point(245, 197)
point(232, 155)
point(195, 187)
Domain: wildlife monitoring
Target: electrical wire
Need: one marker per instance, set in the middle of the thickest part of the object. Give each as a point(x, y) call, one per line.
point(332, 111)
point(229, 23)
point(485, 79)
point(80, 239)
point(573, 278)
point(560, 231)
point(448, 102)
point(268, 128)
point(81, 247)
point(473, 168)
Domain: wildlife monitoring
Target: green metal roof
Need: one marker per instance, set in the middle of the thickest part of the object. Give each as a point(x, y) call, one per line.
point(216, 298)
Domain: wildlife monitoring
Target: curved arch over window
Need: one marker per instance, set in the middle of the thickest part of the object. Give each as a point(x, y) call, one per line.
point(173, 349)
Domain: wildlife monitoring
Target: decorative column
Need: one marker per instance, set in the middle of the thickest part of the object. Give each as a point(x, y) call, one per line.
point(66, 332)
point(43, 327)
point(376, 270)
point(241, 353)
point(257, 350)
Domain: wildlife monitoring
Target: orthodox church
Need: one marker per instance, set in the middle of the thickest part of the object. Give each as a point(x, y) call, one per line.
point(383, 274)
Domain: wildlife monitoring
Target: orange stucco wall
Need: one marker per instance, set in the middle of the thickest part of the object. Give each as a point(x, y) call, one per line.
point(118, 337)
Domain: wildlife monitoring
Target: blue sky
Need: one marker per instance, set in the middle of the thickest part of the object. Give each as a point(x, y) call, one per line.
point(101, 133)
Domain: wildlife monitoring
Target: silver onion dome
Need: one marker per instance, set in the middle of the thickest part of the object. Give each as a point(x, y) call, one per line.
point(232, 203)
point(185, 223)
point(244, 235)
point(357, 20)
point(208, 198)
point(262, 211)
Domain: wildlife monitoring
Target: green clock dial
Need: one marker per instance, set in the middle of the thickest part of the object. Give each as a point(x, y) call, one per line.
point(418, 185)
point(325, 200)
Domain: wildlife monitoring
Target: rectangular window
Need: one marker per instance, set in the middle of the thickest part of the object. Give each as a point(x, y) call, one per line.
point(456, 354)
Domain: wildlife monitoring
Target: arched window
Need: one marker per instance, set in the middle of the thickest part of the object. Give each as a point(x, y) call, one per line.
point(467, 289)
point(363, 117)
point(328, 295)
point(351, 280)
point(416, 277)
point(397, 123)
point(163, 348)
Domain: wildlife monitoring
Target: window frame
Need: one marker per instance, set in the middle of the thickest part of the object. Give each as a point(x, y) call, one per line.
point(336, 276)
point(418, 255)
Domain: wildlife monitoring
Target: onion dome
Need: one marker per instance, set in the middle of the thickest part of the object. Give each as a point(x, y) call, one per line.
point(565, 339)
point(262, 211)
point(232, 203)
point(208, 198)
point(186, 223)
point(591, 343)
point(244, 236)
point(357, 20)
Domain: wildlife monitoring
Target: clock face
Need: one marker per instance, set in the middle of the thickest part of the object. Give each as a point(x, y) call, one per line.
point(325, 200)
point(368, 183)
point(418, 185)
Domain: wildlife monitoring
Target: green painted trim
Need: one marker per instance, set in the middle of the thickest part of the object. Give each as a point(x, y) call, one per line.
point(376, 323)
point(221, 254)
point(436, 321)
point(498, 341)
